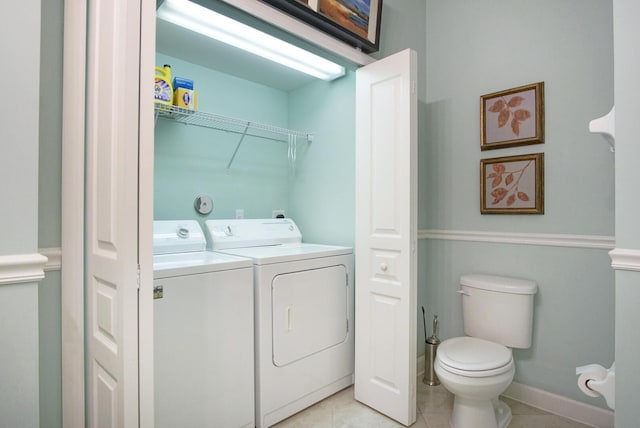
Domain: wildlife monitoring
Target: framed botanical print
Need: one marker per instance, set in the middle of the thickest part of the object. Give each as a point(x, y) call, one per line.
point(514, 117)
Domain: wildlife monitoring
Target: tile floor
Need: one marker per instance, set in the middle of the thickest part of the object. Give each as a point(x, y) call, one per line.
point(434, 406)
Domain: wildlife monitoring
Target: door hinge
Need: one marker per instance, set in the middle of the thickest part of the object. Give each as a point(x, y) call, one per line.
point(138, 276)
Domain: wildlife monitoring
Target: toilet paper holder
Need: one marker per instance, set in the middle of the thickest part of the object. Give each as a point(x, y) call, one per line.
point(595, 381)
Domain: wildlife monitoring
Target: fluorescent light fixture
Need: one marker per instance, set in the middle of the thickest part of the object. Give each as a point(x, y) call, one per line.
point(212, 24)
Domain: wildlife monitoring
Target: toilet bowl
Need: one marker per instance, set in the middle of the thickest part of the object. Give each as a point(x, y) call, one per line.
point(497, 315)
point(476, 371)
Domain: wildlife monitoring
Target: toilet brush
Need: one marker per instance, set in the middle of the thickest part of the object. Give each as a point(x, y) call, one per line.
point(431, 345)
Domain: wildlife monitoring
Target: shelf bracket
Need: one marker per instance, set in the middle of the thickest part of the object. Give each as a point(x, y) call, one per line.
point(235, 152)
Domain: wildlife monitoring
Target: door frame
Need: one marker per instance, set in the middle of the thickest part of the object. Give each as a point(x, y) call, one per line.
point(72, 214)
point(73, 211)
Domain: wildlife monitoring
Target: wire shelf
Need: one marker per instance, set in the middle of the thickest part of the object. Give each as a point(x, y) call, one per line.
point(229, 124)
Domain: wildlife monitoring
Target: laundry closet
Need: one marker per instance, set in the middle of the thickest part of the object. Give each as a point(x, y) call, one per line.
point(265, 142)
point(258, 130)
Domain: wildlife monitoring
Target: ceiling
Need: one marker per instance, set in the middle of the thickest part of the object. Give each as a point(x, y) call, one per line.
point(195, 48)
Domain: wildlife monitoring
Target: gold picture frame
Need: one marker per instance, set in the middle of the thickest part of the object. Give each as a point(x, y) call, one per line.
point(512, 184)
point(514, 117)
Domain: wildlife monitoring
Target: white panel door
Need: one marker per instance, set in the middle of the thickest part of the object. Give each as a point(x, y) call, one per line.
point(386, 213)
point(111, 245)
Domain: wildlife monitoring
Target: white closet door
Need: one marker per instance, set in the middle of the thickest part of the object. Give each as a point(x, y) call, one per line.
point(111, 210)
point(386, 233)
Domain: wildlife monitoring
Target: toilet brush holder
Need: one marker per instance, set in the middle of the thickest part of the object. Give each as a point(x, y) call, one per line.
point(430, 377)
point(431, 347)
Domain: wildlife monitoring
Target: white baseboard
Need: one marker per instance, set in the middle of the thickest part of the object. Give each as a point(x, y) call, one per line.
point(558, 405)
point(561, 406)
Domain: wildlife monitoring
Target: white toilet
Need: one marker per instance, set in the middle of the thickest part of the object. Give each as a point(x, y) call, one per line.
point(498, 315)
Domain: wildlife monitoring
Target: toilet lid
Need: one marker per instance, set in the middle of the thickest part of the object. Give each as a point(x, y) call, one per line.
point(472, 355)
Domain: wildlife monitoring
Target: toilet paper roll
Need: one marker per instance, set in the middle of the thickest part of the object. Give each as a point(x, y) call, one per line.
point(588, 373)
point(595, 381)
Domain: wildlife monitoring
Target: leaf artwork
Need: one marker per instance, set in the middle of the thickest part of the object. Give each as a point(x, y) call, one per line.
point(505, 109)
point(510, 188)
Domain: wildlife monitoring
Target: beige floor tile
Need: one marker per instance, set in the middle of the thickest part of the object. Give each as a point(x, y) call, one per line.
point(318, 416)
point(434, 404)
point(437, 420)
point(433, 399)
point(543, 421)
point(518, 408)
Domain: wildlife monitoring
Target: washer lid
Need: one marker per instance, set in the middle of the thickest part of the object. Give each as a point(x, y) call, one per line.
point(179, 264)
point(471, 354)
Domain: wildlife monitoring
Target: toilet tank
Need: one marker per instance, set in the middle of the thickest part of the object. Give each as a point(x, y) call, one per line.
point(499, 309)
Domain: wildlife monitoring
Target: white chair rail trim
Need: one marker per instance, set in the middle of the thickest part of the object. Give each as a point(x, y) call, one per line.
point(625, 259)
point(544, 239)
point(18, 268)
point(55, 258)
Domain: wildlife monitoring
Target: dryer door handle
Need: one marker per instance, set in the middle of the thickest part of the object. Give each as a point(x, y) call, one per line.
point(289, 318)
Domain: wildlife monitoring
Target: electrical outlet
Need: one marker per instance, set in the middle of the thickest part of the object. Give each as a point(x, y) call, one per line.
point(276, 213)
point(239, 213)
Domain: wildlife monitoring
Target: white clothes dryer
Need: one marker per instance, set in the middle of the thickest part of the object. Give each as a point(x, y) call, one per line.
point(203, 332)
point(304, 336)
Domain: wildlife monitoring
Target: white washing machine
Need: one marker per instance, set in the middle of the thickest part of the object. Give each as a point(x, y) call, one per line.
point(203, 332)
point(304, 336)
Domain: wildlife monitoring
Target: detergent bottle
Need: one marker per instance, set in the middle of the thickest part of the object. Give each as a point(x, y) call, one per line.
point(163, 91)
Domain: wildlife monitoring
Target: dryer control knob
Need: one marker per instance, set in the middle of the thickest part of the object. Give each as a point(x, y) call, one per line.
point(182, 232)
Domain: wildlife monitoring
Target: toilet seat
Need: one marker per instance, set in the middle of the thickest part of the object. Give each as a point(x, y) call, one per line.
point(473, 357)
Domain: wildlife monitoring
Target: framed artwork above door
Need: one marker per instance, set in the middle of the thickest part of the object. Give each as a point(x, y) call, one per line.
point(356, 22)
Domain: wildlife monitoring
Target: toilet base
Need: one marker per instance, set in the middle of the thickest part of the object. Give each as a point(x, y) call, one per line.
point(480, 413)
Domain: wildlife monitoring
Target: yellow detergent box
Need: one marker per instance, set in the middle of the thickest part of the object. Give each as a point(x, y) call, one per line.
point(183, 94)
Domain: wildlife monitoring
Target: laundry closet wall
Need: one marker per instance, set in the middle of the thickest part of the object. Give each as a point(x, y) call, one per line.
point(190, 160)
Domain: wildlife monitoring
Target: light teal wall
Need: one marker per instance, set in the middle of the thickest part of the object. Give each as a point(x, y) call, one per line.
point(49, 188)
point(19, 399)
point(474, 48)
point(627, 88)
point(190, 161)
point(458, 61)
point(323, 189)
point(19, 393)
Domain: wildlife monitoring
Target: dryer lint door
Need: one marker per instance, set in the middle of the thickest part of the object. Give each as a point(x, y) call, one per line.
point(309, 312)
